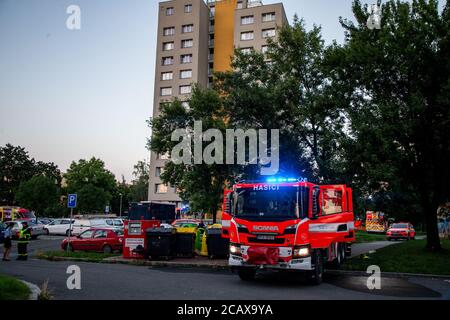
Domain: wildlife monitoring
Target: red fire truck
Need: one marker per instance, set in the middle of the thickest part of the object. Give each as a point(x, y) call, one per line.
point(287, 224)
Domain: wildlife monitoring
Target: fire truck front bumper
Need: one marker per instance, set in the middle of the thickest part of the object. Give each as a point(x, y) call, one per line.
point(286, 261)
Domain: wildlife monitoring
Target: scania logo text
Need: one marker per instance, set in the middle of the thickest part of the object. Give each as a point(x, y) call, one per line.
point(265, 228)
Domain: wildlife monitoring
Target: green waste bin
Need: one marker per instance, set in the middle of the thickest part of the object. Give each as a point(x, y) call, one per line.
point(218, 247)
point(198, 239)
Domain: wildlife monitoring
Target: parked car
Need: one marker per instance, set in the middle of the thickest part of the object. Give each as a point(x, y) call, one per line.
point(58, 227)
point(36, 229)
point(116, 223)
point(182, 222)
point(95, 239)
point(80, 226)
point(402, 230)
point(44, 221)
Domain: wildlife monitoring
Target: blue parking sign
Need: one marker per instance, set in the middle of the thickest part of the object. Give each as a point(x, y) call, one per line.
point(72, 201)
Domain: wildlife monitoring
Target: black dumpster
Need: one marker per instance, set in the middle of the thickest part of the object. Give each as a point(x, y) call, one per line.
point(161, 243)
point(185, 244)
point(217, 246)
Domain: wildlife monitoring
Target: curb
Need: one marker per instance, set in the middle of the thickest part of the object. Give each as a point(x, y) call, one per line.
point(35, 291)
point(389, 274)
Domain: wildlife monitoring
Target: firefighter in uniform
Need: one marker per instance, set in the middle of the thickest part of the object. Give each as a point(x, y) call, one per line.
point(24, 239)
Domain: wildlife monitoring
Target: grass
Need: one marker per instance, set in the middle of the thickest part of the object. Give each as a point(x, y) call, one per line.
point(13, 289)
point(362, 236)
point(407, 257)
point(88, 256)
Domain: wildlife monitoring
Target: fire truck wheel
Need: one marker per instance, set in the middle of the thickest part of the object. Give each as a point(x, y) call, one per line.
point(247, 274)
point(107, 249)
point(316, 275)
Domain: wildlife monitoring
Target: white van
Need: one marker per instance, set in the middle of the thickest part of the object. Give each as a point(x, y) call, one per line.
point(80, 226)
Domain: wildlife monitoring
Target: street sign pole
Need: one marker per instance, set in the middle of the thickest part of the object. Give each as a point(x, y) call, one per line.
point(70, 229)
point(71, 203)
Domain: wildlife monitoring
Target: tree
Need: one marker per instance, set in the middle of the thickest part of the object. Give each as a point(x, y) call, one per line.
point(15, 167)
point(292, 93)
point(38, 194)
point(396, 84)
point(94, 184)
point(139, 186)
point(200, 184)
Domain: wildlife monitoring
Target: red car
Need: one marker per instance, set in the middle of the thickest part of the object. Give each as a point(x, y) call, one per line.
point(96, 239)
point(401, 230)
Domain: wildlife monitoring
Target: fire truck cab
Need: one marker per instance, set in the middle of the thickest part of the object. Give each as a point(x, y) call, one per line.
point(287, 224)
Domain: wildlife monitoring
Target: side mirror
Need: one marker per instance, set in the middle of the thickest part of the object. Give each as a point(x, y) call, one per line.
point(315, 202)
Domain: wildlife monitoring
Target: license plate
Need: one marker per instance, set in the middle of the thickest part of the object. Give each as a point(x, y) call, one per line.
point(259, 237)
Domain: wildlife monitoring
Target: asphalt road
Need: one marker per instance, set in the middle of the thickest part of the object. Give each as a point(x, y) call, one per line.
point(122, 282)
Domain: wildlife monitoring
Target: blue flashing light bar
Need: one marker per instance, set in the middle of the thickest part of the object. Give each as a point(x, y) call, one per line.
point(281, 180)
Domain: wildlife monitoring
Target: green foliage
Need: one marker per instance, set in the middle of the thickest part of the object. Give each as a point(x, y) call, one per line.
point(139, 186)
point(38, 194)
point(200, 184)
point(395, 83)
point(94, 184)
point(16, 167)
point(407, 257)
point(13, 289)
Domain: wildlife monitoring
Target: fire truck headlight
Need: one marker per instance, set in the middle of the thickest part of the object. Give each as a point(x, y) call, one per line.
point(235, 250)
point(301, 252)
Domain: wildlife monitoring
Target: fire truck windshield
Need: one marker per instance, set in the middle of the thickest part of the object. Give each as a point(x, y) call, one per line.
point(275, 203)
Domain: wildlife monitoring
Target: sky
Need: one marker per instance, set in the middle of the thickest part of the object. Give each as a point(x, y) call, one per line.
point(67, 95)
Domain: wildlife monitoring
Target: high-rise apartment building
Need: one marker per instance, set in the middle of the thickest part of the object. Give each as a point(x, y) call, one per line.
point(195, 38)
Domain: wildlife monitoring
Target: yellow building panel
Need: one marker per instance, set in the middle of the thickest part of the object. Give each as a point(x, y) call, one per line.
point(224, 34)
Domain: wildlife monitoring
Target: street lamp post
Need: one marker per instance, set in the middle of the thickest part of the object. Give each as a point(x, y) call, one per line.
point(120, 210)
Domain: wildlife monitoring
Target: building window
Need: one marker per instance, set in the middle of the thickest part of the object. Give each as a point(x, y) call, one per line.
point(187, 28)
point(267, 17)
point(166, 91)
point(249, 35)
point(185, 89)
point(185, 74)
point(161, 188)
point(167, 61)
point(240, 5)
point(247, 20)
point(167, 46)
point(170, 11)
point(212, 12)
point(188, 8)
point(246, 50)
point(268, 33)
point(187, 43)
point(159, 171)
point(165, 76)
point(186, 58)
point(170, 31)
point(264, 49)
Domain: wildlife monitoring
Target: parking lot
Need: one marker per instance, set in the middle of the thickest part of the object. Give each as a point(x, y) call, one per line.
point(114, 281)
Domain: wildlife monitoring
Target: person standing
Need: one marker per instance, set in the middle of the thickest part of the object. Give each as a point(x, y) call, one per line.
point(22, 244)
point(7, 244)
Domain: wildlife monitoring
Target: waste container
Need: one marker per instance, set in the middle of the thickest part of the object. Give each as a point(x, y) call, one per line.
point(198, 239)
point(218, 247)
point(161, 243)
point(185, 243)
